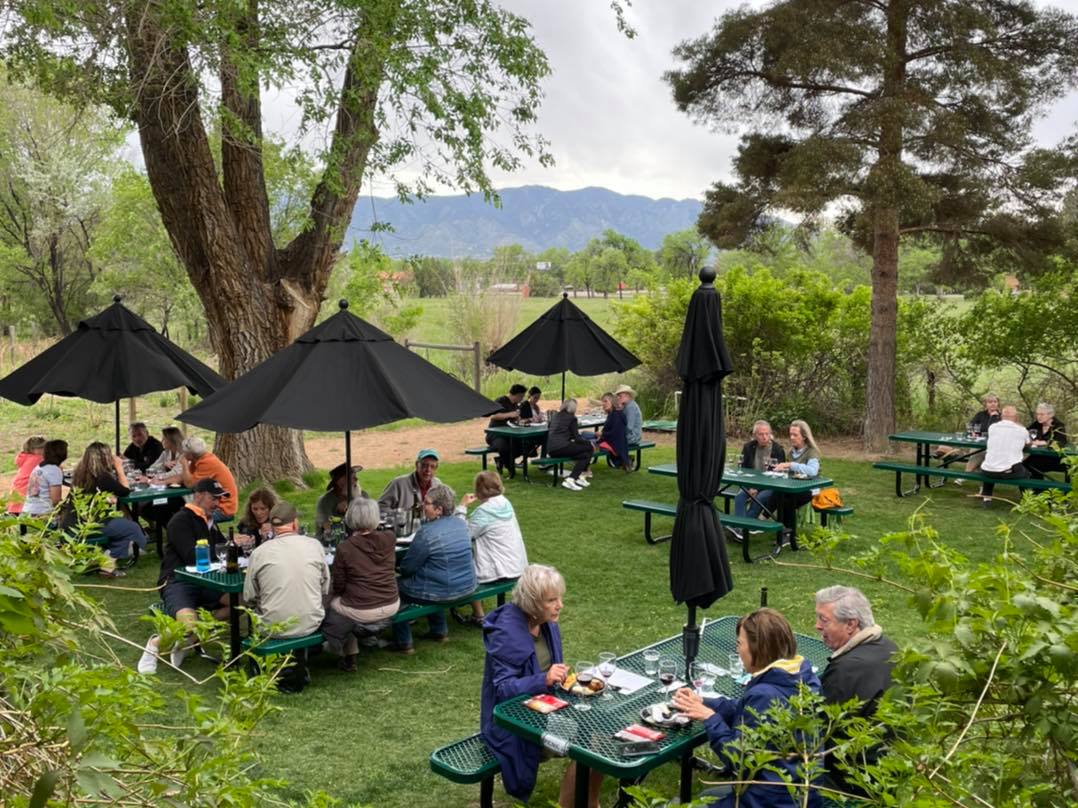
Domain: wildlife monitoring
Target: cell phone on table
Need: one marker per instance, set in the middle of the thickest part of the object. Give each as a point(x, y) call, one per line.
point(638, 748)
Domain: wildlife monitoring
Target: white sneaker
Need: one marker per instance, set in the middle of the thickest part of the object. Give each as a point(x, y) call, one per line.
point(958, 481)
point(148, 661)
point(570, 483)
point(179, 654)
point(582, 482)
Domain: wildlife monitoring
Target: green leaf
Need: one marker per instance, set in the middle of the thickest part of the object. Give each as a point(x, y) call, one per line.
point(76, 731)
point(43, 788)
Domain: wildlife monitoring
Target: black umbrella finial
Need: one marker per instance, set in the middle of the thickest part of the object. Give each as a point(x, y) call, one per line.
point(342, 304)
point(707, 276)
point(117, 298)
point(564, 295)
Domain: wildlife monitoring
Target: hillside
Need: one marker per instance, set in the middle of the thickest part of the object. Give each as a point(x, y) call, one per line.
point(533, 216)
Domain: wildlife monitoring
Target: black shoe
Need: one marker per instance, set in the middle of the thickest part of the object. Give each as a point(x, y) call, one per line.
point(459, 617)
point(348, 663)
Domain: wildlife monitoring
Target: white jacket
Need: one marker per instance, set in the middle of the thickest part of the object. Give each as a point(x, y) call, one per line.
point(496, 540)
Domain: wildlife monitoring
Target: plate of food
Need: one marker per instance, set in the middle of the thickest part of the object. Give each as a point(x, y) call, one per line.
point(584, 684)
point(663, 714)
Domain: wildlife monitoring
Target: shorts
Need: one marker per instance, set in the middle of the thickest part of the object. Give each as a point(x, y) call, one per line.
point(179, 595)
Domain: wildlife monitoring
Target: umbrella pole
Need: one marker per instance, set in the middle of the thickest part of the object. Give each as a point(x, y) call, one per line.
point(562, 387)
point(117, 426)
point(690, 641)
point(348, 461)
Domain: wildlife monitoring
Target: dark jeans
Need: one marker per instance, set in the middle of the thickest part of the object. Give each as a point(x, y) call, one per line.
point(402, 631)
point(1015, 472)
point(120, 533)
point(506, 452)
point(1038, 465)
point(789, 506)
point(336, 628)
point(580, 451)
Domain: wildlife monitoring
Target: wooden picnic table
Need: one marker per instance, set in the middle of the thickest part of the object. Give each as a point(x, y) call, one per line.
point(593, 745)
point(524, 431)
point(750, 478)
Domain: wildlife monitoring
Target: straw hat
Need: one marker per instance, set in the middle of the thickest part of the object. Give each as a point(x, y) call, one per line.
point(624, 388)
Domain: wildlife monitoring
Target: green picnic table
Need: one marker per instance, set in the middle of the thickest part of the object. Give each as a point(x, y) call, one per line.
point(230, 583)
point(155, 496)
point(593, 745)
point(516, 433)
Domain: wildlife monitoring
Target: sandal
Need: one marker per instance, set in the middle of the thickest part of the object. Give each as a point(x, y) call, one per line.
point(112, 573)
point(475, 621)
point(464, 621)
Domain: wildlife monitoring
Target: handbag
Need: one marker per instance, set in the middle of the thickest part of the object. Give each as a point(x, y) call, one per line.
point(827, 498)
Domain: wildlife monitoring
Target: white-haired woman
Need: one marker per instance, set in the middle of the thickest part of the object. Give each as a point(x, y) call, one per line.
point(524, 655)
point(563, 440)
point(804, 461)
point(1046, 430)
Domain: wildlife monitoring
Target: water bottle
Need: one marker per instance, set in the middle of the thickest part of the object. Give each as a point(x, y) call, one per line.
point(202, 556)
point(558, 745)
point(560, 733)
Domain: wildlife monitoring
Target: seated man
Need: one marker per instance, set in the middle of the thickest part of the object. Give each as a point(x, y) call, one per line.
point(438, 567)
point(182, 600)
point(761, 453)
point(144, 448)
point(408, 490)
point(634, 419)
point(199, 463)
point(979, 425)
point(334, 503)
point(507, 448)
point(861, 657)
point(1004, 453)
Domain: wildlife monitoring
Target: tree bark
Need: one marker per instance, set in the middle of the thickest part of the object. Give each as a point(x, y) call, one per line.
point(880, 389)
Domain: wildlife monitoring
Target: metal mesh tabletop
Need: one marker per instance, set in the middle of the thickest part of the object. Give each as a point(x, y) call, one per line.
point(217, 581)
point(150, 494)
point(962, 442)
point(592, 740)
point(747, 478)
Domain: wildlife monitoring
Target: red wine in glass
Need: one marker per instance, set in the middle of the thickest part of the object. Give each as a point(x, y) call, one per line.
point(666, 678)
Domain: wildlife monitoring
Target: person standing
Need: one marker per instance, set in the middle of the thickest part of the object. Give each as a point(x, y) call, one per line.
point(144, 448)
point(634, 419)
point(563, 440)
point(1046, 430)
point(1004, 452)
point(510, 412)
point(861, 660)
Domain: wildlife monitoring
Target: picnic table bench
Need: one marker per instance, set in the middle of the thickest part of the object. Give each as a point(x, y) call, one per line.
point(920, 472)
point(747, 524)
point(412, 611)
point(468, 761)
point(559, 462)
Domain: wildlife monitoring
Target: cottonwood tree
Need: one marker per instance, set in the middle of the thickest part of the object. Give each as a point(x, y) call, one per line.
point(684, 253)
point(912, 116)
point(392, 84)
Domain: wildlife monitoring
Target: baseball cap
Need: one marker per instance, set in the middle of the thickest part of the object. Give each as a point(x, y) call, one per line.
point(426, 453)
point(283, 513)
point(209, 486)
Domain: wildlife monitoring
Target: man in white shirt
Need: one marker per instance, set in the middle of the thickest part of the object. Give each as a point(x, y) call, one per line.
point(1003, 455)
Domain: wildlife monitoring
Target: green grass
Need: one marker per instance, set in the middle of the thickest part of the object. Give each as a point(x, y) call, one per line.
point(366, 737)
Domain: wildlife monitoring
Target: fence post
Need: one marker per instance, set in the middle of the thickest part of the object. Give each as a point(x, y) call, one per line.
point(475, 355)
point(183, 399)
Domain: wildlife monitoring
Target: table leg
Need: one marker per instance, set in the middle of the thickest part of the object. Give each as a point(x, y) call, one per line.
point(580, 787)
point(685, 793)
point(234, 643)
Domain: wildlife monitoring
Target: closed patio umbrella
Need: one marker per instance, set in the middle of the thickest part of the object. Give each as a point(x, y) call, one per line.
point(699, 568)
point(343, 374)
point(113, 355)
point(564, 338)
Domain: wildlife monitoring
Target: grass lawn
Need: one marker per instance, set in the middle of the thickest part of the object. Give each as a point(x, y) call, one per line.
point(366, 737)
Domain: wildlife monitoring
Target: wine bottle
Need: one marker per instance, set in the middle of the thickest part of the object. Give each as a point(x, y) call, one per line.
point(232, 560)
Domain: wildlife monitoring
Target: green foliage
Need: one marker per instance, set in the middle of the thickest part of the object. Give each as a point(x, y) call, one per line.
point(684, 254)
point(370, 281)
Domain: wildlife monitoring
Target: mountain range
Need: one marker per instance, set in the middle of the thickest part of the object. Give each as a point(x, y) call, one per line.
point(534, 216)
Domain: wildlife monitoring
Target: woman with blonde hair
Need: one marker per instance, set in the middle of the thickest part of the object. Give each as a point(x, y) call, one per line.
point(101, 470)
point(804, 462)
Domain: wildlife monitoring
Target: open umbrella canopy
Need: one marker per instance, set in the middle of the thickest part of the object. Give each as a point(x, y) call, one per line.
point(113, 355)
point(343, 374)
point(699, 567)
point(563, 338)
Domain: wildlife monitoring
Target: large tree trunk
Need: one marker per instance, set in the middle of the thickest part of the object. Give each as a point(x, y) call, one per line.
point(257, 298)
point(880, 392)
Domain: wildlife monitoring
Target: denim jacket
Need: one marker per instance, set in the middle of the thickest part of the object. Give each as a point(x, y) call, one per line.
point(438, 566)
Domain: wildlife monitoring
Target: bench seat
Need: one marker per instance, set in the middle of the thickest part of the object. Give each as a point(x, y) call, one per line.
point(283, 645)
point(925, 472)
point(649, 507)
point(482, 452)
point(413, 611)
point(548, 462)
point(467, 761)
point(659, 426)
point(837, 513)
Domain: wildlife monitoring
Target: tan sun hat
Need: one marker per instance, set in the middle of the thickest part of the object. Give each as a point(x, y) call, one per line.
point(624, 388)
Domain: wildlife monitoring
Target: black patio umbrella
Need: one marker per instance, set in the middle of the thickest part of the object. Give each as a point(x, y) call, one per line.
point(343, 374)
point(699, 568)
point(563, 338)
point(113, 355)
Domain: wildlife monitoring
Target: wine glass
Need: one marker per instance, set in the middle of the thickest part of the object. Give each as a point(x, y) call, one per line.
point(585, 671)
point(608, 666)
point(703, 678)
point(221, 551)
point(667, 673)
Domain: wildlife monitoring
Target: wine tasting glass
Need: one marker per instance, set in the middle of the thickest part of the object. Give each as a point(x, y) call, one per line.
point(221, 551)
point(667, 673)
point(608, 666)
point(584, 673)
point(704, 678)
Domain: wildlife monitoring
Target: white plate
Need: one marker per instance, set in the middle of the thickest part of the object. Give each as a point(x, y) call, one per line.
point(215, 566)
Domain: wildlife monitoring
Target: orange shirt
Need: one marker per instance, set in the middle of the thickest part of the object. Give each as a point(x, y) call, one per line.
point(210, 465)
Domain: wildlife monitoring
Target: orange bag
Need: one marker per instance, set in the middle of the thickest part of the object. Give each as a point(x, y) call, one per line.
point(827, 498)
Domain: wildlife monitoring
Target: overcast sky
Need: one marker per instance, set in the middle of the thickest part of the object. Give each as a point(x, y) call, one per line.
point(608, 114)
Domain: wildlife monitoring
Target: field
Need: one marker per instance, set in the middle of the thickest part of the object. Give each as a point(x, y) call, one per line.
point(365, 737)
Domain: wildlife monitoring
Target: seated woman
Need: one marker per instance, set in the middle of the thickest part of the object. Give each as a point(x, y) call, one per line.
point(363, 584)
point(33, 450)
point(804, 460)
point(165, 470)
point(530, 411)
point(101, 470)
point(256, 518)
point(496, 538)
point(524, 655)
point(768, 651)
point(438, 566)
point(612, 438)
point(563, 440)
point(44, 487)
point(333, 504)
point(1046, 430)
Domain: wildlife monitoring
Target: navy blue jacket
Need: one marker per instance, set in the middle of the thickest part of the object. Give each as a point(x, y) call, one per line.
point(776, 684)
point(510, 669)
point(614, 433)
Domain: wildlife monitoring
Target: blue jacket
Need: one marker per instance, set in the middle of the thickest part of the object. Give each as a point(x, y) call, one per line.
point(614, 433)
point(511, 669)
point(775, 684)
point(438, 566)
point(634, 422)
